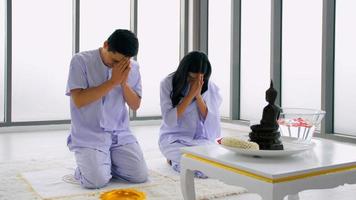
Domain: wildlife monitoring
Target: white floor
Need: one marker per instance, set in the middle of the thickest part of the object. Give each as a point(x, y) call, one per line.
point(18, 146)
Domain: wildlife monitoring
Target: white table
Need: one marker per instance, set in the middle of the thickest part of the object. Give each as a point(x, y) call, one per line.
point(329, 164)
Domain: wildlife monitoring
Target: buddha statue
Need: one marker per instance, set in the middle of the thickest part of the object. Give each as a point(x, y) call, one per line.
point(271, 112)
point(266, 134)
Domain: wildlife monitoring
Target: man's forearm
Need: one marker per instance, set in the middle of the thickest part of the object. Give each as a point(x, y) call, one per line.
point(131, 97)
point(83, 97)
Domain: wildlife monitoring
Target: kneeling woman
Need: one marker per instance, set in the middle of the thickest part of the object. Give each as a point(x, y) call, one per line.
point(190, 108)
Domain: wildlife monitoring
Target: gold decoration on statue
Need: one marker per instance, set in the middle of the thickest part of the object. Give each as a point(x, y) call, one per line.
point(123, 194)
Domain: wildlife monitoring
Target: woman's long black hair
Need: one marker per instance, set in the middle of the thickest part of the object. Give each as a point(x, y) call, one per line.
point(195, 62)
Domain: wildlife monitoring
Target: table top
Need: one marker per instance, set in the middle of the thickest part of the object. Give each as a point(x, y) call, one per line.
point(326, 156)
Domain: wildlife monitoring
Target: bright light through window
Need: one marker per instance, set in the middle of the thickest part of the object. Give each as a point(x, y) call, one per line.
point(219, 49)
point(158, 33)
point(98, 19)
point(301, 53)
point(255, 57)
point(2, 60)
point(41, 52)
point(345, 67)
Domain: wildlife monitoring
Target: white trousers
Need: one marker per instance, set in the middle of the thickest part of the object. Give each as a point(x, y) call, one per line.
point(96, 168)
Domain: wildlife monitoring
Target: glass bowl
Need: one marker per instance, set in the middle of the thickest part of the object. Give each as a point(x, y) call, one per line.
point(300, 122)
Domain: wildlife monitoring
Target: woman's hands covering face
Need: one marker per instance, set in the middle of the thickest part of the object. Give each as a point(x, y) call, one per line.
point(196, 81)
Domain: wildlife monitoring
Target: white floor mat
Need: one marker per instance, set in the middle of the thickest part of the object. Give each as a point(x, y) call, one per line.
point(59, 182)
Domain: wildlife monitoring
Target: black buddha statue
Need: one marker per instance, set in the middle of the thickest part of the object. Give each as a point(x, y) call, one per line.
point(266, 134)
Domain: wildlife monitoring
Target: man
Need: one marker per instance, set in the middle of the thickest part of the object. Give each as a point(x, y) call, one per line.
point(101, 82)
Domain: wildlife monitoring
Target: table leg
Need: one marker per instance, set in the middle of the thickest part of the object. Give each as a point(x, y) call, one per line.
point(275, 196)
point(187, 183)
point(271, 195)
point(293, 196)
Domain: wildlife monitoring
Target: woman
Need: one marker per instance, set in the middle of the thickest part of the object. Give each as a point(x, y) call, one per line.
point(190, 108)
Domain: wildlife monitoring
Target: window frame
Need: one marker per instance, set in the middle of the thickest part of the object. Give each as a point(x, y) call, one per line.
point(194, 18)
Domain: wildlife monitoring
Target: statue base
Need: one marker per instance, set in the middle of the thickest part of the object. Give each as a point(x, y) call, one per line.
point(267, 140)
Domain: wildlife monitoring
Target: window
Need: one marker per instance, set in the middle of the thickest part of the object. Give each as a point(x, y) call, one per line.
point(345, 67)
point(255, 57)
point(158, 33)
point(2, 59)
point(219, 49)
point(301, 53)
point(99, 19)
point(42, 50)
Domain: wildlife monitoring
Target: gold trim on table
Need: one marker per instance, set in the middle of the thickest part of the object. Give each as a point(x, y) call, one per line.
point(266, 179)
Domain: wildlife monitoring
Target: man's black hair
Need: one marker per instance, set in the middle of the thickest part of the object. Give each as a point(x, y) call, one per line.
point(124, 42)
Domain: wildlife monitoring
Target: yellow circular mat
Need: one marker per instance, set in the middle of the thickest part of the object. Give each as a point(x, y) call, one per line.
point(123, 194)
